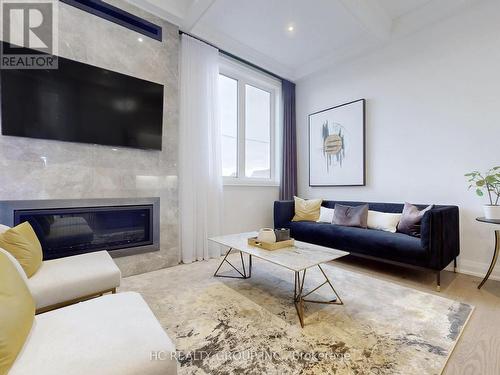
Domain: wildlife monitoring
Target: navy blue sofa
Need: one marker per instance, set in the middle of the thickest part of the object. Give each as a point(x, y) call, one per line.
point(438, 246)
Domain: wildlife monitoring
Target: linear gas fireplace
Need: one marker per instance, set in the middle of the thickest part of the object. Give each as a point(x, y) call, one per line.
point(78, 226)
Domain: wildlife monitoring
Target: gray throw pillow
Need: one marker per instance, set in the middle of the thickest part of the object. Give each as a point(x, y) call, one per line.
point(411, 219)
point(351, 216)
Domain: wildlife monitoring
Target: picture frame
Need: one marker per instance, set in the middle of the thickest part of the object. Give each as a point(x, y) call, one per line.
point(337, 145)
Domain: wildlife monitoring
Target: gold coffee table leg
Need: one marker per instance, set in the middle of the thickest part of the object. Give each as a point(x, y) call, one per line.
point(494, 260)
point(299, 296)
point(243, 275)
point(297, 299)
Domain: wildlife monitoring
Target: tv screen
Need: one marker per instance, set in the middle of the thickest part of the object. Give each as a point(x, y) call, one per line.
point(82, 103)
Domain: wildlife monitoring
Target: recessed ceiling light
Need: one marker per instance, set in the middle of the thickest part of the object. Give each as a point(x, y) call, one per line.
point(140, 40)
point(290, 28)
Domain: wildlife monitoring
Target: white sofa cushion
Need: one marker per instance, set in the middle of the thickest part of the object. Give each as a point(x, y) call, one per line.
point(383, 221)
point(326, 215)
point(64, 279)
point(113, 334)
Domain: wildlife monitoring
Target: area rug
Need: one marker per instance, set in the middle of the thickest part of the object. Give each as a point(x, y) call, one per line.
point(234, 326)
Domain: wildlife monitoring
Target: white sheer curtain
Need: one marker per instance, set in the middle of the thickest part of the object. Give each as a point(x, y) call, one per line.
point(200, 175)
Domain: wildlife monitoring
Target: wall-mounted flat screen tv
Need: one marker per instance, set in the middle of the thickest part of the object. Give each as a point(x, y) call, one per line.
point(81, 103)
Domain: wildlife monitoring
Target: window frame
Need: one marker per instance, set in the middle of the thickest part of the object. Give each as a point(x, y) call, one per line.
point(247, 76)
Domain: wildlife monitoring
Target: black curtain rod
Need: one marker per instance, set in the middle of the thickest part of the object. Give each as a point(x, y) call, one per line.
point(234, 57)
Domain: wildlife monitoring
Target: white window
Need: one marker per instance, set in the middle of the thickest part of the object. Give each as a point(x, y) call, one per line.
point(228, 99)
point(248, 102)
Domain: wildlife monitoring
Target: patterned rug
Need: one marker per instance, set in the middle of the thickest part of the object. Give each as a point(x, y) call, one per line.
point(233, 326)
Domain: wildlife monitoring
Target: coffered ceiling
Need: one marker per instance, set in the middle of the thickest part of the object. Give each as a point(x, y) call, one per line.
point(295, 38)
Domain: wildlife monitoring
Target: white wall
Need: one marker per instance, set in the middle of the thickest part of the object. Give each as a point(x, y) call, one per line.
point(248, 208)
point(433, 114)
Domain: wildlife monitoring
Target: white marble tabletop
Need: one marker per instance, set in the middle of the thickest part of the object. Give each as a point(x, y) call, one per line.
point(296, 258)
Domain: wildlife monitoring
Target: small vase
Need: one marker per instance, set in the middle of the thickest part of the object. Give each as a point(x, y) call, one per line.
point(282, 234)
point(266, 235)
point(491, 212)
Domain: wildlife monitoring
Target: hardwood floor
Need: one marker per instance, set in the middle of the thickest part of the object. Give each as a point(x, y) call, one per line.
point(478, 350)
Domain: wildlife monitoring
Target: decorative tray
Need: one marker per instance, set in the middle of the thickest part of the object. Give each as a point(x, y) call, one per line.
point(271, 245)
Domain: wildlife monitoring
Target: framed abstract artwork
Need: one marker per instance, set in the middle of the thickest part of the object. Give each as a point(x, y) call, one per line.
point(337, 145)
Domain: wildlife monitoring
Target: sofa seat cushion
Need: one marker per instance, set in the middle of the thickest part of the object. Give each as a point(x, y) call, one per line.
point(391, 246)
point(114, 334)
point(64, 279)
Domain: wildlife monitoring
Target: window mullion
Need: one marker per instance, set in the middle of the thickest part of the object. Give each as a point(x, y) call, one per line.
point(241, 129)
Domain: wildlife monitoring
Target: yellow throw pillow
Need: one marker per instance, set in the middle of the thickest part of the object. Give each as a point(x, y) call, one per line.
point(17, 312)
point(307, 210)
point(22, 242)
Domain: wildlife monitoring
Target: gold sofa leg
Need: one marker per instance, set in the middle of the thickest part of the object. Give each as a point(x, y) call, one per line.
point(73, 301)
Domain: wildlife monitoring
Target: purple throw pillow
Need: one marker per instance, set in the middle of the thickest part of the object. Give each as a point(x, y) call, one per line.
point(351, 216)
point(411, 219)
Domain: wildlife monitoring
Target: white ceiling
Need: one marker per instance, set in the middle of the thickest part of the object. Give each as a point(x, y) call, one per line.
point(397, 8)
point(325, 32)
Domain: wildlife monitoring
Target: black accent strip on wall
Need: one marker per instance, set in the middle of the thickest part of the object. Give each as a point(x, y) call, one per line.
point(111, 13)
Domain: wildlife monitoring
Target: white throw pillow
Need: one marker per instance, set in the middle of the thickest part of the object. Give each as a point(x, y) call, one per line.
point(383, 221)
point(325, 215)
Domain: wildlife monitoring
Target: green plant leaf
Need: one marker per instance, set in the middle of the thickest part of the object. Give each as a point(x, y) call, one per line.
point(479, 192)
point(480, 183)
point(491, 179)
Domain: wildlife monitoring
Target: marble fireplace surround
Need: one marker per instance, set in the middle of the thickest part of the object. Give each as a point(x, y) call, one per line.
point(33, 169)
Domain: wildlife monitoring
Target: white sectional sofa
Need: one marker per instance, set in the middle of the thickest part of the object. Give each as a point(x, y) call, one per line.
point(115, 334)
point(64, 281)
point(110, 335)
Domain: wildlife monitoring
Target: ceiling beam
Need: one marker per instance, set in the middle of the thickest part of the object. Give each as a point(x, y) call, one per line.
point(153, 8)
point(194, 13)
point(430, 13)
point(371, 16)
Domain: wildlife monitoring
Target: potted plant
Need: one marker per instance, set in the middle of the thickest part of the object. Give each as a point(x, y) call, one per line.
point(489, 182)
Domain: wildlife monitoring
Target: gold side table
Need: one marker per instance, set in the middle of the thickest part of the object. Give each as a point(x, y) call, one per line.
point(497, 248)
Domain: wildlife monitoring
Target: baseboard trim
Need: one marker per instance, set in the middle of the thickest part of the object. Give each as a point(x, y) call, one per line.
point(479, 269)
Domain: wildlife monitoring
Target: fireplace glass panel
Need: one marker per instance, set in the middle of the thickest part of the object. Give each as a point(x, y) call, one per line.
point(71, 231)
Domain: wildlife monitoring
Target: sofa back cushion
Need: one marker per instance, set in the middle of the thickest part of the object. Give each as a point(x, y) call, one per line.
point(326, 215)
point(17, 311)
point(22, 242)
point(395, 208)
point(284, 211)
point(351, 216)
point(383, 221)
point(411, 219)
point(306, 210)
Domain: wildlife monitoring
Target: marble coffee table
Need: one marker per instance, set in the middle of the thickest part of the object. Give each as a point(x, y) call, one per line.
point(298, 259)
